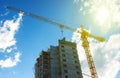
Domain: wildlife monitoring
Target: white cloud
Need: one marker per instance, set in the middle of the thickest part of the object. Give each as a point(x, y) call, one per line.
point(9, 62)
point(106, 56)
point(8, 30)
point(75, 1)
point(103, 13)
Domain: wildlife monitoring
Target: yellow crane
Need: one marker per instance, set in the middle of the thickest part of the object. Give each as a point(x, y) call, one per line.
point(85, 44)
point(84, 37)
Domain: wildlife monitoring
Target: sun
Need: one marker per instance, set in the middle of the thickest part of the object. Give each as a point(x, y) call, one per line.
point(102, 15)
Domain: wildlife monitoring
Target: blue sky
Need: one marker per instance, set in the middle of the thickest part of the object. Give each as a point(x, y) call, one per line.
point(28, 36)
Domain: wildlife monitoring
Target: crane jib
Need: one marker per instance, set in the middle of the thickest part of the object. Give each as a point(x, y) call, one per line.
point(41, 18)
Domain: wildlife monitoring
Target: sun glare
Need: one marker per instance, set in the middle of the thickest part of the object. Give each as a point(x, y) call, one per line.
point(105, 14)
point(102, 15)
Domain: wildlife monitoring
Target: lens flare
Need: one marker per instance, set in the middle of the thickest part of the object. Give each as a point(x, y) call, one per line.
point(102, 15)
point(105, 13)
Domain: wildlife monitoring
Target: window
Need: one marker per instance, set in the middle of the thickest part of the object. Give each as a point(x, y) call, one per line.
point(63, 50)
point(76, 61)
point(78, 72)
point(73, 48)
point(62, 46)
point(38, 65)
point(74, 51)
point(46, 62)
point(45, 66)
point(66, 76)
point(64, 60)
point(63, 55)
point(75, 56)
point(65, 71)
point(64, 65)
point(38, 74)
point(77, 67)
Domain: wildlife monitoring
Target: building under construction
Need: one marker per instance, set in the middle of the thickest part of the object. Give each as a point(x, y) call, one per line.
point(62, 61)
point(59, 62)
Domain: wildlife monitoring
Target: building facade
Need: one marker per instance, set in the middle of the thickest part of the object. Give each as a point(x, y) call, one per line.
point(59, 62)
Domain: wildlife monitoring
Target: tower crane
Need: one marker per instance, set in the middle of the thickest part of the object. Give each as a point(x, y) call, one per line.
point(85, 44)
point(84, 37)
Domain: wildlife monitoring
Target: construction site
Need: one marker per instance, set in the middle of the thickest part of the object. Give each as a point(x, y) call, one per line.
point(44, 68)
point(60, 49)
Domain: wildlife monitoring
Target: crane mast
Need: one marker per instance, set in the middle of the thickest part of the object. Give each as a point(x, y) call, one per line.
point(85, 44)
point(84, 38)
